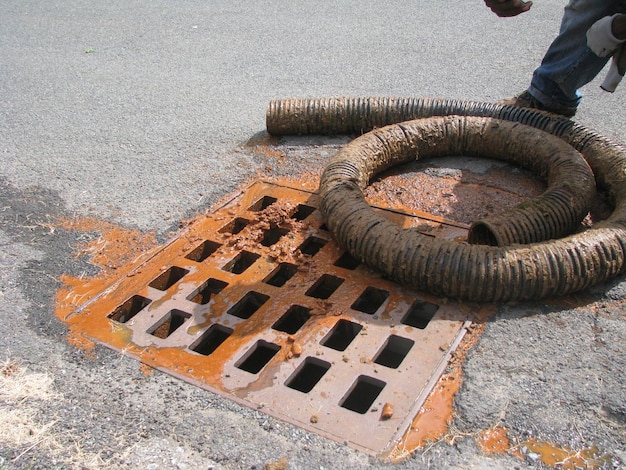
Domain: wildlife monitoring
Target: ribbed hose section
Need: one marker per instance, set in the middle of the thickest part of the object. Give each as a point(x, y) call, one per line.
point(346, 115)
point(356, 115)
point(474, 272)
point(554, 214)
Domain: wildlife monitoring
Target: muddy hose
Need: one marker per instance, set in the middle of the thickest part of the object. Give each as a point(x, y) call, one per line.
point(443, 267)
point(553, 215)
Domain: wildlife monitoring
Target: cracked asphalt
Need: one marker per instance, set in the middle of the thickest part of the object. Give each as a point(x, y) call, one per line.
point(139, 114)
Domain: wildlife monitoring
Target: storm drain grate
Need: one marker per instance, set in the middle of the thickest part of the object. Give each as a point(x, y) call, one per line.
point(256, 302)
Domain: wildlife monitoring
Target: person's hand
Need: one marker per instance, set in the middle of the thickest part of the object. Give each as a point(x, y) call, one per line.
point(507, 8)
point(600, 37)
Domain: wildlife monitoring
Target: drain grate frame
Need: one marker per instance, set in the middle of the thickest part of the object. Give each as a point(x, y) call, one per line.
point(295, 328)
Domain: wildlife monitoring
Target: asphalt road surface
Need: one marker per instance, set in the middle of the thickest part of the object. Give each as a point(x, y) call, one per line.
point(138, 113)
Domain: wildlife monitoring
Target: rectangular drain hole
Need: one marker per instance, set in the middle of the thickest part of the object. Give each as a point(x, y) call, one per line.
point(202, 294)
point(255, 359)
point(279, 276)
point(248, 304)
point(324, 287)
point(370, 300)
point(292, 320)
point(262, 203)
point(271, 236)
point(234, 226)
point(308, 374)
point(211, 339)
point(168, 278)
point(203, 251)
point(342, 334)
point(347, 261)
point(241, 262)
point(312, 245)
point(302, 212)
point(129, 309)
point(362, 394)
point(394, 351)
point(169, 323)
point(419, 314)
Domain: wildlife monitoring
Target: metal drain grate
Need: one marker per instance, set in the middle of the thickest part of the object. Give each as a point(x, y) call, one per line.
point(257, 303)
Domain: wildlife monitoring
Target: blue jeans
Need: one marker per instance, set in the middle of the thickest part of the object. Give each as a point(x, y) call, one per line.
point(569, 63)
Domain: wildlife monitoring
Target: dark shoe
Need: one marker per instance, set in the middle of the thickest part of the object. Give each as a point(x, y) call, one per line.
point(526, 100)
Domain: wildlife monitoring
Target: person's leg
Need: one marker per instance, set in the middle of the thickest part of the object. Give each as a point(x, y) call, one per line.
point(569, 63)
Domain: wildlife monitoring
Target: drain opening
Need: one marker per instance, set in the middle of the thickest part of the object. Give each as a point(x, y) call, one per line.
point(203, 251)
point(347, 261)
point(419, 314)
point(324, 287)
point(202, 294)
point(342, 334)
point(308, 374)
point(129, 309)
point(241, 262)
point(271, 236)
point(292, 320)
point(279, 276)
point(168, 278)
point(262, 203)
point(255, 359)
point(394, 351)
point(169, 323)
point(312, 245)
point(370, 300)
point(302, 212)
point(362, 394)
point(234, 226)
point(211, 339)
point(248, 304)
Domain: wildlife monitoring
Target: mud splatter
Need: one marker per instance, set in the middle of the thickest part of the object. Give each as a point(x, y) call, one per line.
point(116, 252)
point(435, 416)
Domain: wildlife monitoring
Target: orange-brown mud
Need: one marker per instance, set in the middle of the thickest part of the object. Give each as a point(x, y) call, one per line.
point(464, 197)
point(116, 252)
point(495, 440)
point(565, 458)
point(433, 420)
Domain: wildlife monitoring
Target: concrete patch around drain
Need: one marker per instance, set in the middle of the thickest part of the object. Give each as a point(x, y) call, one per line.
point(256, 302)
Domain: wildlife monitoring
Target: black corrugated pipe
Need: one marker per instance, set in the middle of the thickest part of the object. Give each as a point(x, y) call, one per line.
point(443, 267)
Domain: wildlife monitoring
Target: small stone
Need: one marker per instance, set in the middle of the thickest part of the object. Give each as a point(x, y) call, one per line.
point(533, 456)
point(296, 349)
point(387, 411)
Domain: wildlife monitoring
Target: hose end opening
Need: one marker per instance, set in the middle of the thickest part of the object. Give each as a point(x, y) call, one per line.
point(480, 233)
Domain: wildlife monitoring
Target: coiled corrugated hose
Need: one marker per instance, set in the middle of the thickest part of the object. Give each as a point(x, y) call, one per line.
point(460, 270)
